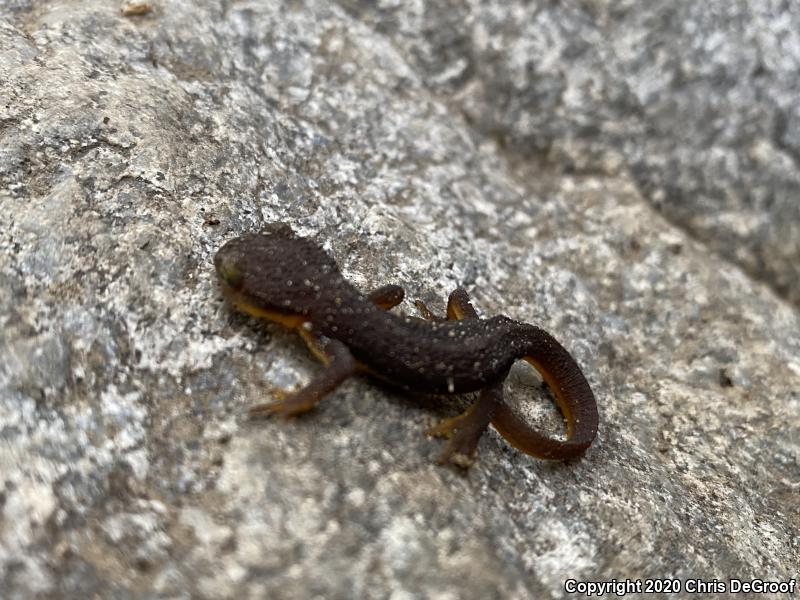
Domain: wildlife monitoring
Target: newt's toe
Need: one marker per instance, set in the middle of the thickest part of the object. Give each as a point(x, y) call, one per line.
point(444, 428)
point(456, 458)
point(265, 410)
point(460, 450)
point(287, 405)
point(462, 440)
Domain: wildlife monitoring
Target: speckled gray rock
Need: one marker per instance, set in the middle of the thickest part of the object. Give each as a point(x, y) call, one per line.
point(132, 148)
point(697, 101)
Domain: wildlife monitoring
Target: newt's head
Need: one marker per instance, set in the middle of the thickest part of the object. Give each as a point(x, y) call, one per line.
point(274, 275)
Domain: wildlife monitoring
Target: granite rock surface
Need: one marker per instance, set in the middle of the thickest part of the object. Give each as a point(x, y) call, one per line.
point(695, 101)
point(625, 177)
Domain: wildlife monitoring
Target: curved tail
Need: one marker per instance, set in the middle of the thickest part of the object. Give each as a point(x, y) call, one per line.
point(572, 392)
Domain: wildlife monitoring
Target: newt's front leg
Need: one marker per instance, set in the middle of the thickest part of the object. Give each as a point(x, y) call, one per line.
point(339, 365)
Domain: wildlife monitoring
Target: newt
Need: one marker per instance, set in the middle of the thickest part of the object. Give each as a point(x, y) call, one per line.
point(288, 279)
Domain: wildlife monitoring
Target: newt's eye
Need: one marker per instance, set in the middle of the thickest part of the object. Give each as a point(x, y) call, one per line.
point(229, 274)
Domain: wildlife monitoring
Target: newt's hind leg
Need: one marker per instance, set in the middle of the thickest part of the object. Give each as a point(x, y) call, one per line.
point(426, 313)
point(465, 430)
point(339, 365)
point(387, 296)
point(458, 307)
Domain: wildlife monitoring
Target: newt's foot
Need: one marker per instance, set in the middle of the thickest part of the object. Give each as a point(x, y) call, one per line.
point(460, 449)
point(426, 313)
point(463, 438)
point(445, 427)
point(286, 405)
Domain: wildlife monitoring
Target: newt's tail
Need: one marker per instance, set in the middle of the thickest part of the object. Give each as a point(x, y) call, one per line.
point(573, 395)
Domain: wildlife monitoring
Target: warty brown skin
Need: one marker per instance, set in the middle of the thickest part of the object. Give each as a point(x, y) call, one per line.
point(291, 280)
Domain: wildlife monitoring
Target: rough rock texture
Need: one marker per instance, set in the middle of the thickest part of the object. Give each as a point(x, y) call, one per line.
point(520, 150)
point(696, 101)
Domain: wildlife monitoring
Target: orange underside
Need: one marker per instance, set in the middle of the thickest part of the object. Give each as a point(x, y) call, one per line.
point(290, 320)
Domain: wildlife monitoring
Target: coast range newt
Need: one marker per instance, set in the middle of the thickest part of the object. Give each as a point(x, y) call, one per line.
point(289, 279)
